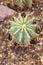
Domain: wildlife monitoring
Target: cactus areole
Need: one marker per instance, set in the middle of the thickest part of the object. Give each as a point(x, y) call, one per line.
point(22, 29)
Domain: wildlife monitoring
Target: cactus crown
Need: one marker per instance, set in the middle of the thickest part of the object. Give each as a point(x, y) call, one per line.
point(17, 2)
point(22, 29)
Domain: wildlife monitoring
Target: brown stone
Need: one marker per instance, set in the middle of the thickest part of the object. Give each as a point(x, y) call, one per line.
point(5, 12)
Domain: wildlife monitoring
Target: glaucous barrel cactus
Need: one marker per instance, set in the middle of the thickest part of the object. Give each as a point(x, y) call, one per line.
point(18, 3)
point(28, 3)
point(22, 28)
point(22, 3)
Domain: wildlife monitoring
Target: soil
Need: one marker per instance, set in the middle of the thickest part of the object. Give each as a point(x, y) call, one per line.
point(12, 53)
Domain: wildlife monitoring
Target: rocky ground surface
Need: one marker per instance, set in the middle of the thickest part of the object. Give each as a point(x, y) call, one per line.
point(12, 53)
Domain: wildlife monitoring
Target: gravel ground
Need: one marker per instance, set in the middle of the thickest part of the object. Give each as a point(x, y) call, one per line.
point(12, 53)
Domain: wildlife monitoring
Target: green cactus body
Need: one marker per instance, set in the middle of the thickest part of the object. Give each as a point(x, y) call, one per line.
point(27, 2)
point(18, 2)
point(22, 29)
point(22, 3)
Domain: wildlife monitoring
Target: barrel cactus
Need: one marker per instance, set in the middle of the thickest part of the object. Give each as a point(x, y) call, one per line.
point(22, 29)
point(18, 3)
point(22, 3)
point(28, 3)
